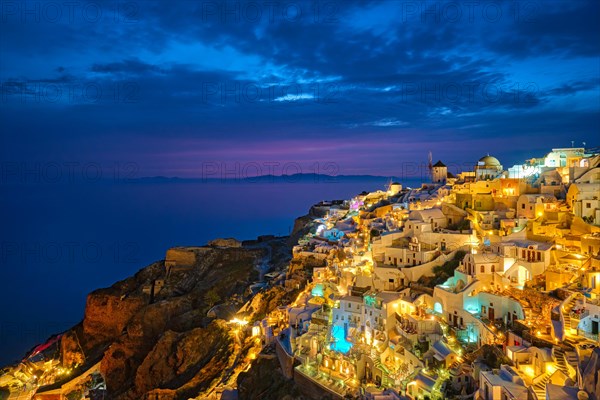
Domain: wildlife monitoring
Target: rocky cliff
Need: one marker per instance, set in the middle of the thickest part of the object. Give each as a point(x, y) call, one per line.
point(167, 332)
point(151, 332)
point(265, 381)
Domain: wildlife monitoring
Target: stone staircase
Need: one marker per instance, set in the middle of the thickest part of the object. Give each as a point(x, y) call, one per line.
point(540, 388)
point(384, 371)
point(567, 314)
point(571, 341)
point(572, 359)
point(561, 362)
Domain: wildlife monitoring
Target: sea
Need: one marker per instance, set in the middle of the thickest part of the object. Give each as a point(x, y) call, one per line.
point(62, 240)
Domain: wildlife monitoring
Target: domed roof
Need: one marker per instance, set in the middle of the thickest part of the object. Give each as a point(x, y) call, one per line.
point(489, 161)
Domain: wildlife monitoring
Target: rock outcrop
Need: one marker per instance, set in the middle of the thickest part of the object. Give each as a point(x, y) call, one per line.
point(302, 226)
point(265, 381)
point(186, 362)
point(151, 335)
point(591, 375)
point(107, 313)
point(225, 242)
point(163, 343)
point(70, 349)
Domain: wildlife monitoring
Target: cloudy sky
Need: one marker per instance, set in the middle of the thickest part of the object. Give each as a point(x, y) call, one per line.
point(364, 86)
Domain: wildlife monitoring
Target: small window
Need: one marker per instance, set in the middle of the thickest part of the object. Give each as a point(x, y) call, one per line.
point(523, 206)
point(391, 280)
point(482, 269)
point(588, 205)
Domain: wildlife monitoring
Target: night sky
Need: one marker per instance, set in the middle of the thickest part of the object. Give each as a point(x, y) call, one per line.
point(106, 91)
point(172, 87)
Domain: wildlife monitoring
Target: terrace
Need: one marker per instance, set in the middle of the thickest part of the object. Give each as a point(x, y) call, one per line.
point(329, 380)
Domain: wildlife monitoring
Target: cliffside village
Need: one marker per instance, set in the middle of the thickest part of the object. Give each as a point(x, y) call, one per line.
point(479, 285)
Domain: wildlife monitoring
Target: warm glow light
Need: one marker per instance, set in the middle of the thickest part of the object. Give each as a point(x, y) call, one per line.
point(238, 321)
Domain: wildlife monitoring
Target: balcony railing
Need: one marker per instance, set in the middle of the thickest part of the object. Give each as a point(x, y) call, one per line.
point(579, 316)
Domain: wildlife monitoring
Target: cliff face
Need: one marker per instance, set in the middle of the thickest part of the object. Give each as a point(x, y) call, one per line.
point(591, 375)
point(186, 362)
point(302, 226)
point(107, 314)
point(108, 311)
point(151, 330)
point(265, 381)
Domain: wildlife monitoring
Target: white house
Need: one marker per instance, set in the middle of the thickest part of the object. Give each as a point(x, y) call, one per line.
point(504, 385)
point(584, 199)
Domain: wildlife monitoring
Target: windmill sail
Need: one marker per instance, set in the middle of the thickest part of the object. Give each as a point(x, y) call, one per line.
point(430, 165)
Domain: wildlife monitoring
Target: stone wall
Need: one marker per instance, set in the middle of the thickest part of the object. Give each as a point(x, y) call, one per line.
point(286, 361)
point(312, 389)
point(182, 256)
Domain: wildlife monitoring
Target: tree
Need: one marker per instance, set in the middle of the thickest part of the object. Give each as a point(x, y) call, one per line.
point(212, 297)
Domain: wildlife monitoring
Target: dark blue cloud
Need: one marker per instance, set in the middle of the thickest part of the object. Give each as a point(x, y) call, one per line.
point(139, 76)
